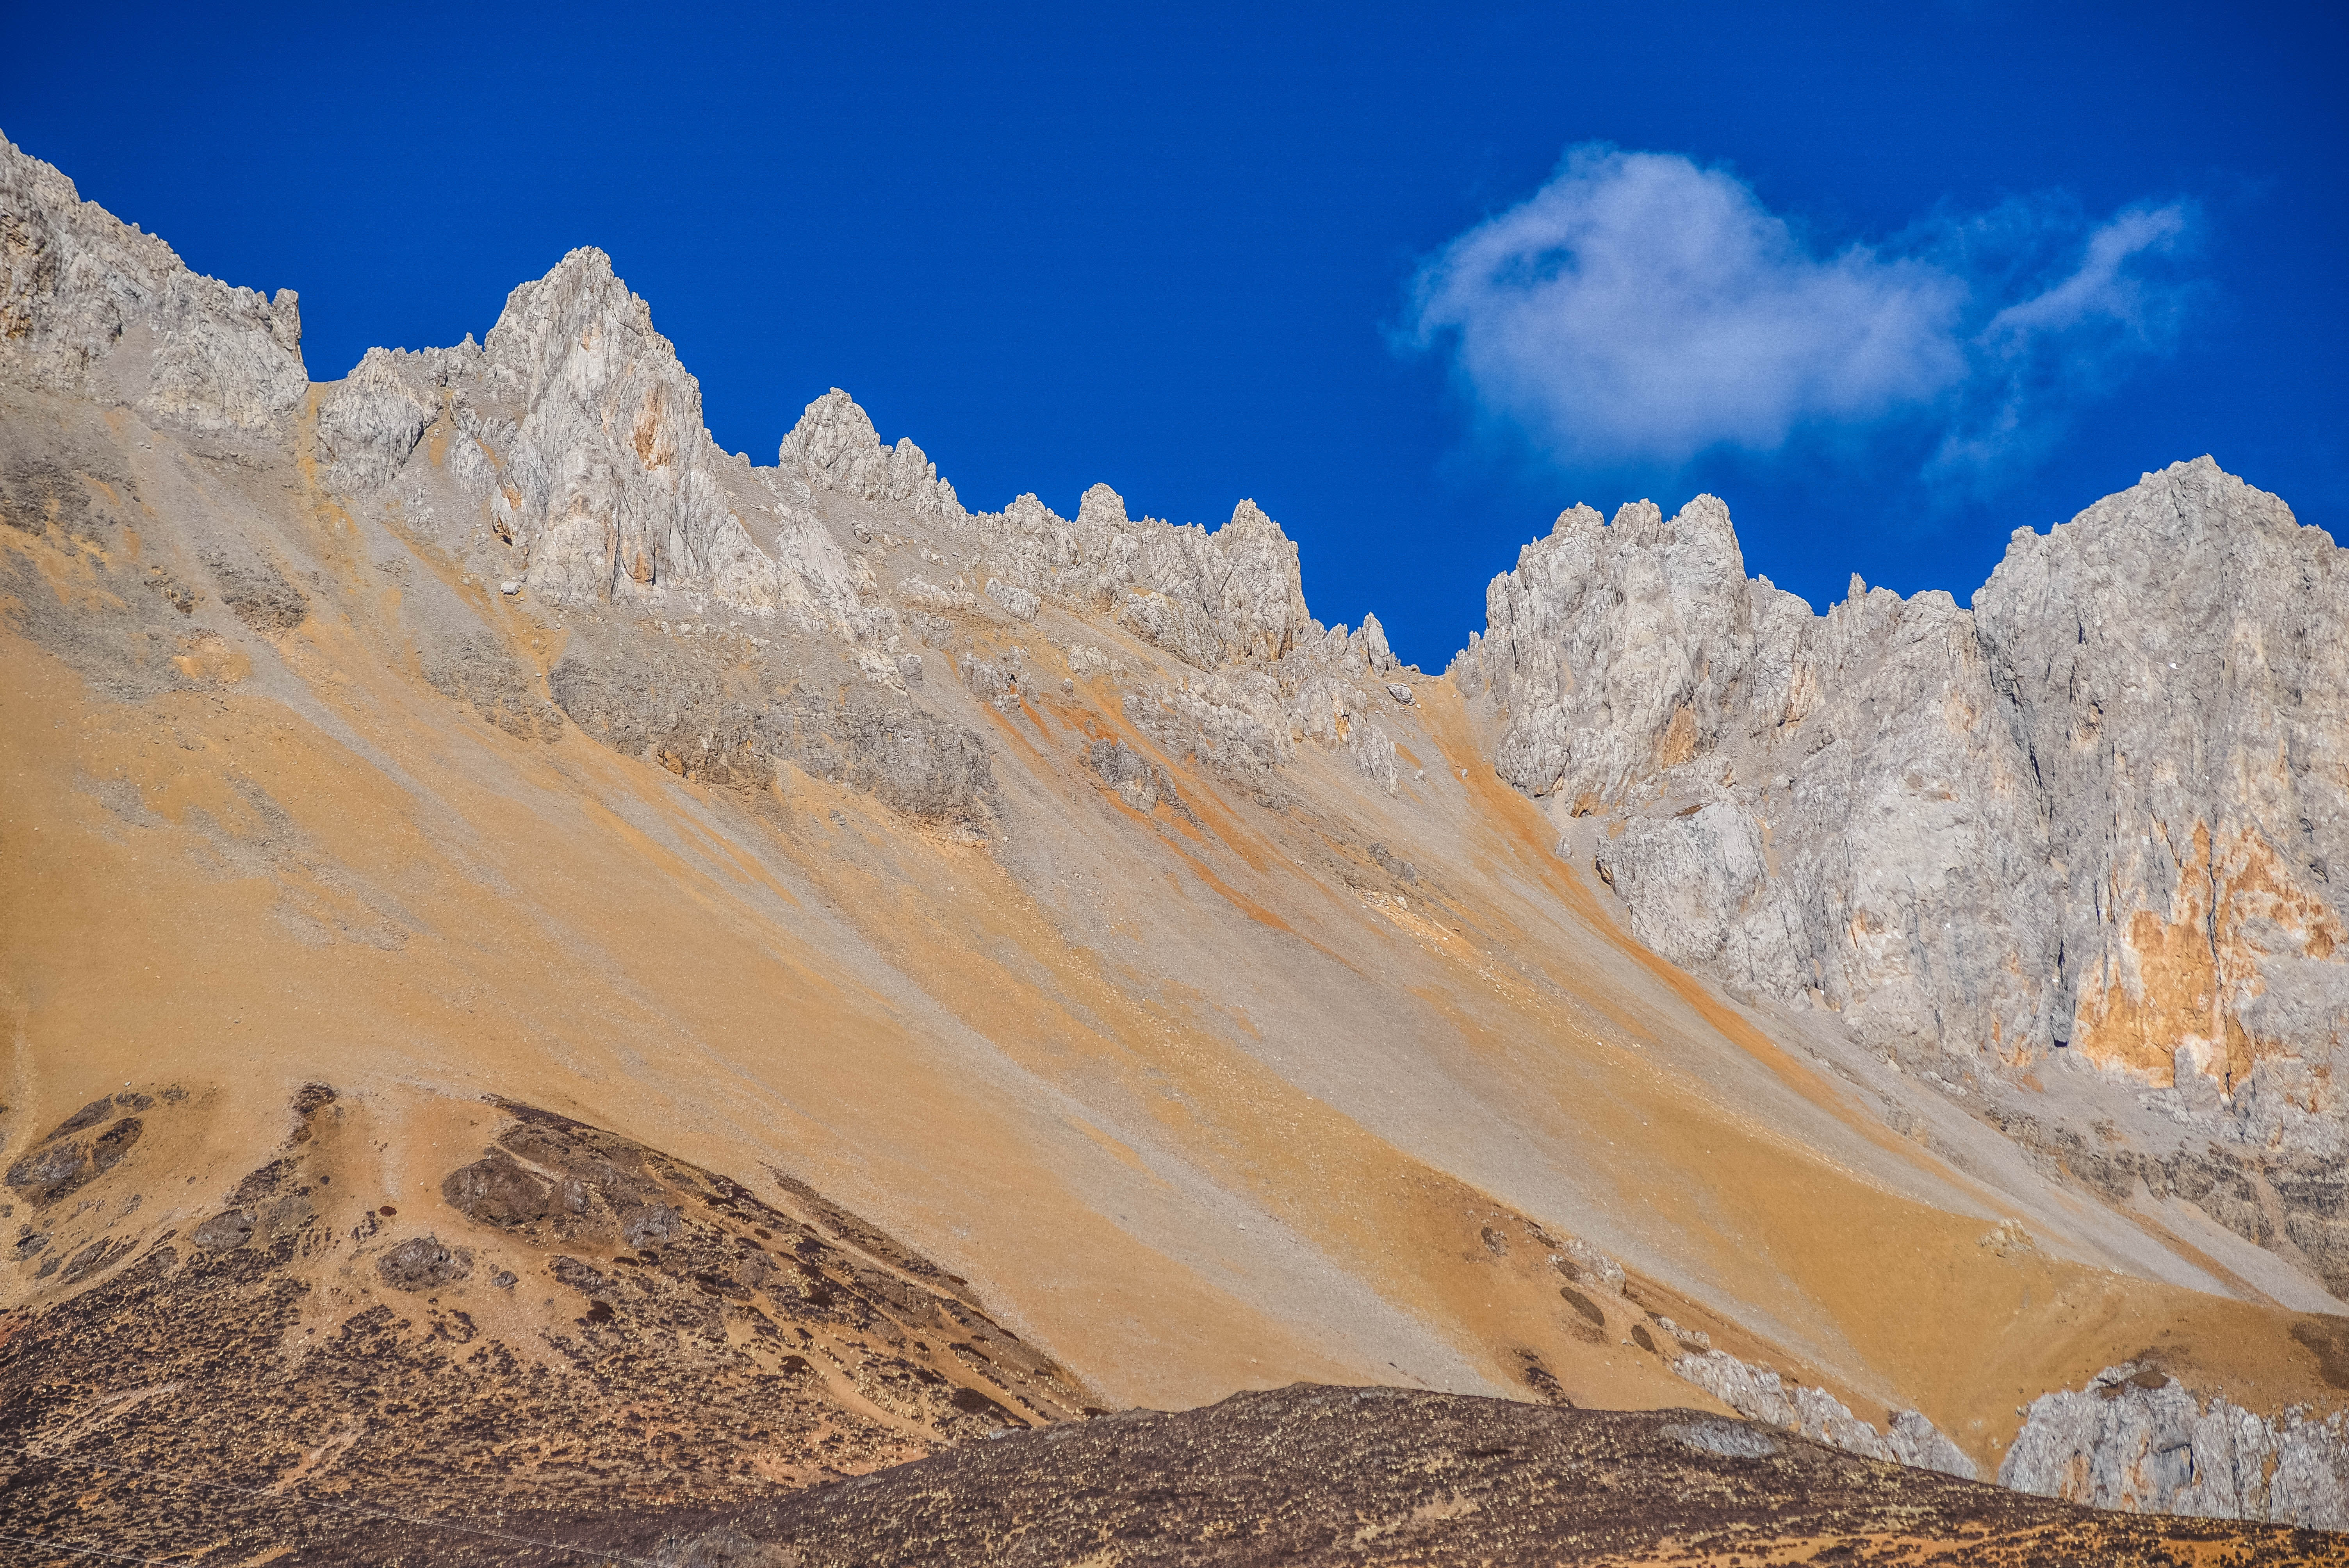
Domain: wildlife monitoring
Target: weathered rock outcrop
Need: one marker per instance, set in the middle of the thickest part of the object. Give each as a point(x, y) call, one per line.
point(2175, 666)
point(92, 307)
point(1256, 675)
point(703, 709)
point(2097, 814)
point(2135, 1438)
point(574, 437)
point(577, 437)
point(1810, 807)
point(834, 448)
point(1764, 1395)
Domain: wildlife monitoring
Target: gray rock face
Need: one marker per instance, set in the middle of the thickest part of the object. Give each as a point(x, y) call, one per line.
point(225, 1232)
point(683, 709)
point(1764, 1395)
point(1259, 674)
point(424, 1262)
point(1580, 1262)
point(1209, 599)
point(2175, 666)
point(2135, 1438)
point(612, 460)
point(1725, 1439)
point(497, 1190)
point(834, 448)
point(1139, 783)
point(563, 459)
point(2096, 814)
point(259, 595)
point(581, 435)
point(91, 307)
point(1788, 801)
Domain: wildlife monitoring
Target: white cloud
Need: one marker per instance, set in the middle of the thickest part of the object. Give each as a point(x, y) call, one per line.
point(1639, 308)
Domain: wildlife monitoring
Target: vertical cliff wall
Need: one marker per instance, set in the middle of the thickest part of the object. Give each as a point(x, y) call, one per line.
point(2089, 823)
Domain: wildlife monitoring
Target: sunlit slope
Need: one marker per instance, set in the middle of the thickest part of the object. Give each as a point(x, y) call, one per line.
point(1219, 1094)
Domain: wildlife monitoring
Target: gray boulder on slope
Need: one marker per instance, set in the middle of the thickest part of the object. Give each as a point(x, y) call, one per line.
point(2135, 1438)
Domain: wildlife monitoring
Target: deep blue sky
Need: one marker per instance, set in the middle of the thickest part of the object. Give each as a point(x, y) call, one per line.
point(1174, 250)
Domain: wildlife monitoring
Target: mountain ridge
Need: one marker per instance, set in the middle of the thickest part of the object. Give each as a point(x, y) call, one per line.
point(1056, 892)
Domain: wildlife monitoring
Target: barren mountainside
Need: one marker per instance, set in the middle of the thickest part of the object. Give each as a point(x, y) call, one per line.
point(560, 975)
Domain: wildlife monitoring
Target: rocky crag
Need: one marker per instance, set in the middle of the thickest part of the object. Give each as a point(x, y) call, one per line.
point(578, 431)
point(2086, 827)
point(1222, 1000)
point(2135, 1438)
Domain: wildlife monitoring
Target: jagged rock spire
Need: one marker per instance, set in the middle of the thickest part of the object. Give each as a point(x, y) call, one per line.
point(835, 447)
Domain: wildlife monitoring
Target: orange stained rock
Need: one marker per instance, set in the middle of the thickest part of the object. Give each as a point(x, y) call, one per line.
point(2182, 979)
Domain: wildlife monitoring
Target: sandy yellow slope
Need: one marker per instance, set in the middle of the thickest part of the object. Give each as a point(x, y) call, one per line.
point(1196, 1100)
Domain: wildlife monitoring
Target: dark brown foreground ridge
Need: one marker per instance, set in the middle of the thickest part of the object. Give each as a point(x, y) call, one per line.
point(1313, 1475)
point(581, 1329)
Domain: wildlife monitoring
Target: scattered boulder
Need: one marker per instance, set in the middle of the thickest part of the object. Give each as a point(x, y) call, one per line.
point(260, 596)
point(423, 1263)
point(1724, 1439)
point(1139, 783)
point(49, 1169)
point(95, 1259)
point(1018, 602)
point(224, 1232)
point(1694, 1338)
point(650, 1225)
point(496, 1189)
point(1584, 1265)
